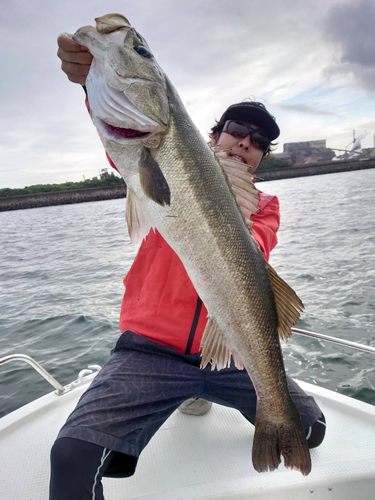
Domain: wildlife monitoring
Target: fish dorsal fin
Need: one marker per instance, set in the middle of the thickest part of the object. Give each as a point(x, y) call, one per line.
point(139, 223)
point(216, 349)
point(152, 179)
point(242, 184)
point(288, 304)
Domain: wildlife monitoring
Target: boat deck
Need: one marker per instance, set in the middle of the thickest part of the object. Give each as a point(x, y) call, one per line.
point(207, 457)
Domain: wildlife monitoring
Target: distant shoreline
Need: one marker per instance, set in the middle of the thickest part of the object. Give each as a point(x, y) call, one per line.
point(113, 192)
point(61, 197)
point(304, 170)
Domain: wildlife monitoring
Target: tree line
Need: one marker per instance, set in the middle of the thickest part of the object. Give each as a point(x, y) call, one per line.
point(111, 180)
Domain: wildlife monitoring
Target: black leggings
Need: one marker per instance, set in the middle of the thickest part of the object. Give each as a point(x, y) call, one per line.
point(77, 467)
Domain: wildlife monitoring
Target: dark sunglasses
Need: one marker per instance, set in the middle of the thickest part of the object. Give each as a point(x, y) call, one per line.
point(240, 130)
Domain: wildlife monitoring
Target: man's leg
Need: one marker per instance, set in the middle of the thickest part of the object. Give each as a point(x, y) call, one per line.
point(142, 384)
point(77, 469)
point(316, 432)
point(234, 388)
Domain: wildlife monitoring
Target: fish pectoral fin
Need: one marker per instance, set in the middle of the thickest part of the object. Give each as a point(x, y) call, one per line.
point(216, 349)
point(288, 304)
point(152, 179)
point(139, 223)
point(241, 183)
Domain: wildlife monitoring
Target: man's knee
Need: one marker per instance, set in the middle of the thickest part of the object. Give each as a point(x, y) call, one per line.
point(65, 455)
point(316, 433)
point(64, 474)
point(77, 468)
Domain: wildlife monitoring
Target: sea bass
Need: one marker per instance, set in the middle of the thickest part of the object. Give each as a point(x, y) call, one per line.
point(176, 185)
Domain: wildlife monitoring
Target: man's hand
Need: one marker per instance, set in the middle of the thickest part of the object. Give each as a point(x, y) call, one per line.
point(76, 59)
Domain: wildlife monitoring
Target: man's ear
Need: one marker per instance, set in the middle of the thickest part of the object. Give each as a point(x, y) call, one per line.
point(214, 138)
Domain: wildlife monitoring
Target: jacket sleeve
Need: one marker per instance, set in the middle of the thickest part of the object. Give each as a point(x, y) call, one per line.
point(111, 162)
point(266, 223)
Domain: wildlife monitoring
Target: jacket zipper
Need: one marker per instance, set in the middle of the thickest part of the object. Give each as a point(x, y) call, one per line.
point(194, 326)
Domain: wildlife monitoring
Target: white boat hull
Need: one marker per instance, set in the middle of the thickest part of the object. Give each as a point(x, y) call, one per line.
point(207, 457)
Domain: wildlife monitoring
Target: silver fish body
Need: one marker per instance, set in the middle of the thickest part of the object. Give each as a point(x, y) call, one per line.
point(177, 186)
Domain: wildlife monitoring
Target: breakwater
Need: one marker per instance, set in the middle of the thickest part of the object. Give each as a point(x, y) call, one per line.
point(61, 197)
point(304, 170)
point(112, 192)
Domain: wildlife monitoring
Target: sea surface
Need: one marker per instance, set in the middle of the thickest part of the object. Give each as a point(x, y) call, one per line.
point(61, 271)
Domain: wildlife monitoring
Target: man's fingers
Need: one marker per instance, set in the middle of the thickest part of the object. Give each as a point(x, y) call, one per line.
point(66, 42)
point(75, 57)
point(76, 79)
point(75, 69)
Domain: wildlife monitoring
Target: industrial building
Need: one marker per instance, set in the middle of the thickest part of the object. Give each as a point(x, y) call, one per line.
point(305, 152)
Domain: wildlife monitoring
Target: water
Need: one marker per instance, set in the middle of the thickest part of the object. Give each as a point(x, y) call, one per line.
point(61, 271)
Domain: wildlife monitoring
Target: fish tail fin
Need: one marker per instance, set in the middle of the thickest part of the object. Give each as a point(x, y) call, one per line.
point(273, 440)
point(266, 450)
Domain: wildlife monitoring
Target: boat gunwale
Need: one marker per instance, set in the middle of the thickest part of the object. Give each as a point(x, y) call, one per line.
point(40, 405)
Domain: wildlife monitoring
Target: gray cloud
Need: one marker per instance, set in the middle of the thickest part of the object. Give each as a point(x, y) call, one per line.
point(215, 53)
point(351, 28)
point(369, 125)
point(304, 108)
point(200, 45)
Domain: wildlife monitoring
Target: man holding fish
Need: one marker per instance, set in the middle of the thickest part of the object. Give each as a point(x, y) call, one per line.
point(155, 367)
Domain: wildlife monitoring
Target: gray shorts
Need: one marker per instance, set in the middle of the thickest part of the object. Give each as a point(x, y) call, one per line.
point(144, 382)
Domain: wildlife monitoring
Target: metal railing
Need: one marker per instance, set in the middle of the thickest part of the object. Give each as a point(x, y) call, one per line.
point(21, 357)
point(335, 340)
point(82, 376)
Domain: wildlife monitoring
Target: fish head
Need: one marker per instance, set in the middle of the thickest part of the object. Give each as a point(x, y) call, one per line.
point(126, 88)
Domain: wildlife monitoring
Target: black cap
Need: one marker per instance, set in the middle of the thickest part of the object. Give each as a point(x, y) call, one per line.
point(256, 113)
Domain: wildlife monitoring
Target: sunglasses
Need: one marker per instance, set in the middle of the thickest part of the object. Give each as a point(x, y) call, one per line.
point(240, 130)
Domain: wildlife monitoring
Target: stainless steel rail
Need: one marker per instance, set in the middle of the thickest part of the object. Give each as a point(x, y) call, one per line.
point(21, 357)
point(335, 340)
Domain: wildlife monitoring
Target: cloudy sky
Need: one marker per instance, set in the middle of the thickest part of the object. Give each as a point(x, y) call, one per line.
point(311, 62)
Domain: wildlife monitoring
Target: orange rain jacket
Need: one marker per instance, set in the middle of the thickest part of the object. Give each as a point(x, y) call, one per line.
point(160, 301)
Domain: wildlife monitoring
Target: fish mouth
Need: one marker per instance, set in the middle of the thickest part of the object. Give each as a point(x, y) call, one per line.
point(114, 115)
point(117, 133)
point(120, 134)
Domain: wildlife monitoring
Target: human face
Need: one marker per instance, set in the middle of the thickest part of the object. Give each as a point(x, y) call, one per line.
point(240, 149)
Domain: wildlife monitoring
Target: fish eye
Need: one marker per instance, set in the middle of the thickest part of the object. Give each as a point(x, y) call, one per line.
point(142, 51)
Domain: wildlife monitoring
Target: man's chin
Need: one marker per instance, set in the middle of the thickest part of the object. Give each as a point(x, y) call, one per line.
point(251, 169)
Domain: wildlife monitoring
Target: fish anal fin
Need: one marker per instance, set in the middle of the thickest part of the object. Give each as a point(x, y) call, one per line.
point(152, 179)
point(216, 349)
point(138, 221)
point(288, 304)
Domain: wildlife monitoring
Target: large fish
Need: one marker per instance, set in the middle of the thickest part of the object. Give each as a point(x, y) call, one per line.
point(176, 185)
